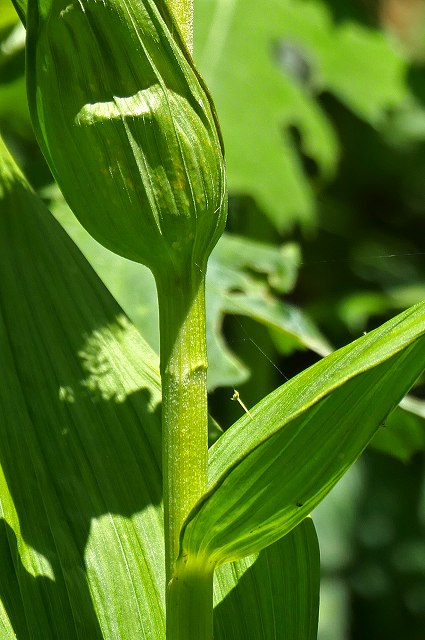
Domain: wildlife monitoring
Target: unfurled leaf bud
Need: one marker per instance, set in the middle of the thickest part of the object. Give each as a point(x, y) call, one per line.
point(127, 127)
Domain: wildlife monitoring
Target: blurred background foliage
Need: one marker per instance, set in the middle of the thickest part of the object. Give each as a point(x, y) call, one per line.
point(322, 106)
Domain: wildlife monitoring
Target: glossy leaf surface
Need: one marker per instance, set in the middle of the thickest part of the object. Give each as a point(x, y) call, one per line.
point(275, 465)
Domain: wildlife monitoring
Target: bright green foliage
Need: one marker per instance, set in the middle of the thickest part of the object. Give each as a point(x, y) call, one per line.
point(7, 16)
point(182, 10)
point(248, 278)
point(270, 469)
point(127, 127)
point(277, 596)
point(265, 63)
point(80, 484)
point(80, 457)
point(235, 284)
point(95, 372)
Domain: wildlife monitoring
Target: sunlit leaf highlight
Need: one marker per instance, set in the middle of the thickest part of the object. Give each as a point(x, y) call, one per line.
point(271, 468)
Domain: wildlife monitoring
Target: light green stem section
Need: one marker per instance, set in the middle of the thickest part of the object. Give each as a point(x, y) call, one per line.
point(183, 15)
point(190, 601)
point(183, 351)
point(181, 297)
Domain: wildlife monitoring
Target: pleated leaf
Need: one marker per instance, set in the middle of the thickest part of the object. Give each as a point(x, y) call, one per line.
point(81, 542)
point(277, 596)
point(277, 463)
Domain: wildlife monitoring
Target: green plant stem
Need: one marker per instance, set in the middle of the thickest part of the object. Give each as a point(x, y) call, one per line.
point(183, 15)
point(190, 601)
point(181, 298)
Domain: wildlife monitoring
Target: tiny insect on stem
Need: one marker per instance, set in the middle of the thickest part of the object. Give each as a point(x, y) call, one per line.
point(236, 397)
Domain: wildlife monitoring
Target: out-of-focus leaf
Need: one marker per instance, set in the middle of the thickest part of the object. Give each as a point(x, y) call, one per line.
point(278, 264)
point(13, 108)
point(14, 113)
point(273, 466)
point(282, 318)
point(276, 597)
point(240, 46)
point(81, 540)
point(413, 405)
point(243, 277)
point(7, 14)
point(406, 23)
point(259, 107)
point(357, 308)
point(404, 434)
point(407, 124)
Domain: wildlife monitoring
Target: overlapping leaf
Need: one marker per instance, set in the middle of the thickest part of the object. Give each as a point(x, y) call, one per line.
point(273, 466)
point(277, 597)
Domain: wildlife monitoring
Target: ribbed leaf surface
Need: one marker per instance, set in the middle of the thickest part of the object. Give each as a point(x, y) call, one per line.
point(81, 544)
point(277, 597)
point(273, 466)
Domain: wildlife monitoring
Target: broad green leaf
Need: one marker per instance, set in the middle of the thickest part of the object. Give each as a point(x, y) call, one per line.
point(6, 632)
point(81, 540)
point(130, 283)
point(14, 109)
point(277, 596)
point(271, 468)
point(265, 62)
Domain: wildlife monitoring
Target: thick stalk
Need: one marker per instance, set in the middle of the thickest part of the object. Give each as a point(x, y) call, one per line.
point(181, 298)
point(183, 15)
point(190, 601)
